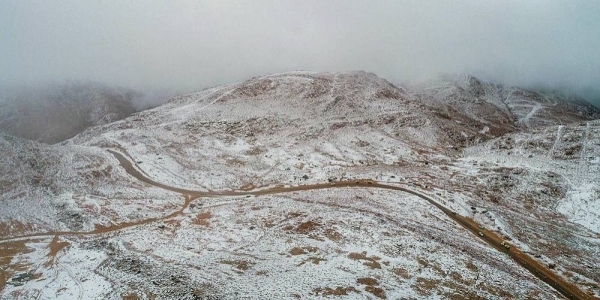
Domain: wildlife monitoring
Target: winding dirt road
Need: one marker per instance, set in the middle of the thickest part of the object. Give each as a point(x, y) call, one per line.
point(567, 289)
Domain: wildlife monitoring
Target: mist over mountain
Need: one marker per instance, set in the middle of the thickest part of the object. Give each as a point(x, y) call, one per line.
point(54, 112)
point(190, 45)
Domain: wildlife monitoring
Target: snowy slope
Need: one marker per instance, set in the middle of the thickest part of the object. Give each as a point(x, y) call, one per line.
point(496, 104)
point(459, 140)
point(542, 188)
point(70, 188)
point(315, 124)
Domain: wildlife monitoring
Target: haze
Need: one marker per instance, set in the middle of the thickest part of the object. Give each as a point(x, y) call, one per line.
point(189, 45)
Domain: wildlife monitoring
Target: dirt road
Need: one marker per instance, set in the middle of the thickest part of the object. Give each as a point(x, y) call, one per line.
point(540, 271)
point(567, 289)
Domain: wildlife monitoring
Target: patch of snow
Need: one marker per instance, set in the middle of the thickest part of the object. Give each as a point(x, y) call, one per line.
point(582, 206)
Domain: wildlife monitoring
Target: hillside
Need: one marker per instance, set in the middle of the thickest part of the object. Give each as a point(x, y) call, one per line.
point(497, 104)
point(309, 185)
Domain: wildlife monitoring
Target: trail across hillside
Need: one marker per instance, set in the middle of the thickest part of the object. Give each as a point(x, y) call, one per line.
point(568, 290)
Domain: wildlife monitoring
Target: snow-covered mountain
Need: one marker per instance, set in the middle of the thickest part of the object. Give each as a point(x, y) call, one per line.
point(526, 109)
point(267, 189)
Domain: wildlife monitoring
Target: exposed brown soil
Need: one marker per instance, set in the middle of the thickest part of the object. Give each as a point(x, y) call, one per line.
point(202, 219)
point(540, 271)
point(55, 246)
point(303, 250)
point(371, 262)
point(425, 286)
point(297, 251)
point(130, 296)
point(471, 266)
point(307, 227)
point(7, 251)
point(402, 273)
point(376, 291)
point(313, 259)
point(338, 291)
point(238, 264)
point(367, 281)
point(333, 235)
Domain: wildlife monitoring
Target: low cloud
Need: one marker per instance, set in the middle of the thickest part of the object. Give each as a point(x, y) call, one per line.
point(189, 45)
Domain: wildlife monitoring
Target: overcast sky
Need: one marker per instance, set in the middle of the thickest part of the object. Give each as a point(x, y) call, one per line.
point(188, 45)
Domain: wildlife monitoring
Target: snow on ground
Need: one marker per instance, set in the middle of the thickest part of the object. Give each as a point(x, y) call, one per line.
point(581, 175)
point(67, 275)
point(582, 206)
point(312, 244)
point(72, 188)
point(540, 188)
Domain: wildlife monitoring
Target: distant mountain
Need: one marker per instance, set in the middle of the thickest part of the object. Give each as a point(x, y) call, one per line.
point(496, 104)
point(56, 112)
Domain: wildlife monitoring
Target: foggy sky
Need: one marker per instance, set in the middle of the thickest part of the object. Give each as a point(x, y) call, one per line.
point(189, 45)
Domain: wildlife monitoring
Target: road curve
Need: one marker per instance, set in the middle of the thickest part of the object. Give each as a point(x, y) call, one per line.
point(540, 271)
point(567, 289)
